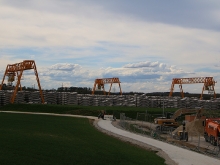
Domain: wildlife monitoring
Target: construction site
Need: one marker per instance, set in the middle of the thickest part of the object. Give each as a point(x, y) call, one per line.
point(191, 126)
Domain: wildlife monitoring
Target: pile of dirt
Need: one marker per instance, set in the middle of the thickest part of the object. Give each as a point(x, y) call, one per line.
point(194, 128)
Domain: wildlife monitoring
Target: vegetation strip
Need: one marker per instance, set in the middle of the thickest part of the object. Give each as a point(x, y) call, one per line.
point(84, 110)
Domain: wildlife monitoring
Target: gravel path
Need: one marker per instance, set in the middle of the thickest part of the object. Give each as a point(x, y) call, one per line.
point(179, 155)
point(159, 152)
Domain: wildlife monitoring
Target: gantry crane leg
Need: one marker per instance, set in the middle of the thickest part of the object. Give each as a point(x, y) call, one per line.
point(6, 70)
point(181, 90)
point(16, 87)
point(203, 88)
point(103, 89)
point(38, 82)
point(171, 90)
point(120, 88)
point(214, 91)
point(20, 82)
point(93, 90)
point(110, 89)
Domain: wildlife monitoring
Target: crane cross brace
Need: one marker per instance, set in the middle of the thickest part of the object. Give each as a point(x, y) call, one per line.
point(206, 80)
point(209, 84)
point(25, 65)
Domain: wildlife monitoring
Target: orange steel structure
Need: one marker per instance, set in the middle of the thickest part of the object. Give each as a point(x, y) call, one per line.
point(208, 82)
point(100, 83)
point(17, 69)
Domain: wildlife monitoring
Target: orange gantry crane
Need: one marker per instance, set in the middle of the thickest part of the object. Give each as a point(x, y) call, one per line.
point(17, 69)
point(208, 82)
point(100, 83)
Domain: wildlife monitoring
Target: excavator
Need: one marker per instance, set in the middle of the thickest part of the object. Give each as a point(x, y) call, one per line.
point(171, 122)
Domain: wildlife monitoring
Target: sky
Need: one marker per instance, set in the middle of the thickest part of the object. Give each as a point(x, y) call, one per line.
point(144, 43)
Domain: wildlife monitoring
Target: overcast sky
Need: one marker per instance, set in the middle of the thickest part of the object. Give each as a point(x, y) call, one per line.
point(143, 42)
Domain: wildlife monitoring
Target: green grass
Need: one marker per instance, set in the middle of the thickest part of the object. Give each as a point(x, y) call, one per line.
point(83, 110)
point(52, 140)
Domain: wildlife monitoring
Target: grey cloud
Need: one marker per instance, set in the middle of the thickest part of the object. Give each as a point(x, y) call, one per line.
point(182, 13)
point(187, 13)
point(150, 66)
point(64, 66)
point(142, 64)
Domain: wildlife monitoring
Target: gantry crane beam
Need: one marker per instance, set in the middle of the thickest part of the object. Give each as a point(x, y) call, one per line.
point(17, 69)
point(100, 83)
point(208, 82)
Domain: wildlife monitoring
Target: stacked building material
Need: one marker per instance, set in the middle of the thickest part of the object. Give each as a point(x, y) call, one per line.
point(51, 98)
point(214, 104)
point(146, 101)
point(102, 100)
point(72, 98)
point(218, 103)
point(164, 101)
point(194, 102)
point(207, 104)
point(154, 102)
point(109, 100)
point(182, 103)
point(27, 96)
point(172, 102)
point(119, 100)
point(131, 102)
point(201, 103)
point(2, 95)
point(20, 97)
point(96, 100)
point(35, 97)
point(86, 100)
point(7, 97)
point(79, 99)
point(139, 100)
point(44, 92)
point(62, 98)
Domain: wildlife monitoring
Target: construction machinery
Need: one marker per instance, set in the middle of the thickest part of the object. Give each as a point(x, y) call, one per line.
point(181, 134)
point(212, 131)
point(100, 84)
point(164, 123)
point(15, 72)
point(183, 111)
point(208, 84)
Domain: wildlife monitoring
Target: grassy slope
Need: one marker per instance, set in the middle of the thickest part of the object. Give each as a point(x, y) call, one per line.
point(44, 140)
point(83, 110)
